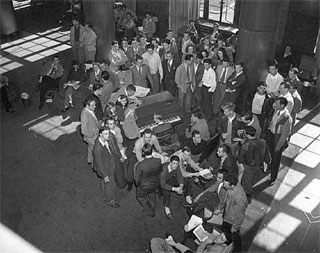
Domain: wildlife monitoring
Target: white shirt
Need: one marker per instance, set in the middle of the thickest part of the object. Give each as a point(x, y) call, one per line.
point(154, 63)
point(257, 103)
point(209, 79)
point(289, 98)
point(105, 144)
point(273, 82)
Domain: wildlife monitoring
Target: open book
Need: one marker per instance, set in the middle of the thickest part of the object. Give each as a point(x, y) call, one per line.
point(200, 233)
point(193, 222)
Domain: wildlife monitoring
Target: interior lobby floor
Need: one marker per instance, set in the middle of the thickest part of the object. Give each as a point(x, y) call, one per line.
point(51, 197)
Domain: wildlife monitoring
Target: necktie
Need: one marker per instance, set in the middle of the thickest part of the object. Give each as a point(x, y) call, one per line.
point(188, 74)
point(169, 66)
point(140, 70)
point(278, 113)
point(223, 76)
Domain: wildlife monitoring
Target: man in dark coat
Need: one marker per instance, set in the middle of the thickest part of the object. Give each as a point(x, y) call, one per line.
point(147, 177)
point(169, 66)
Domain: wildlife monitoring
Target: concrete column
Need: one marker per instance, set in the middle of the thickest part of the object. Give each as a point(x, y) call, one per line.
point(257, 36)
point(7, 18)
point(100, 14)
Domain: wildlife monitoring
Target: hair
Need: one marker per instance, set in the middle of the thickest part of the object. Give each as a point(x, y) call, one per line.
point(169, 31)
point(88, 100)
point(228, 106)
point(56, 56)
point(147, 131)
point(223, 172)
point(294, 86)
point(197, 114)
point(189, 46)
point(187, 33)
point(131, 87)
point(105, 75)
point(75, 62)
point(200, 56)
point(294, 70)
point(247, 115)
point(139, 57)
point(191, 21)
point(166, 41)
point(207, 61)
point(225, 148)
point(96, 86)
point(169, 52)
point(75, 18)
point(133, 39)
point(149, 46)
point(240, 64)
point(226, 59)
point(194, 133)
point(174, 158)
point(283, 101)
point(104, 128)
point(89, 24)
point(250, 130)
point(114, 42)
point(155, 39)
point(188, 57)
point(124, 39)
point(204, 51)
point(120, 98)
point(109, 118)
point(262, 83)
point(285, 85)
point(231, 179)
point(186, 148)
point(273, 63)
point(147, 149)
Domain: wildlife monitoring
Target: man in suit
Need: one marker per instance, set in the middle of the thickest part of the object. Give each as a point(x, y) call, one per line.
point(89, 125)
point(278, 135)
point(134, 50)
point(104, 165)
point(166, 47)
point(185, 80)
point(76, 33)
point(227, 161)
point(147, 177)
point(235, 87)
point(127, 90)
point(169, 66)
point(223, 72)
point(186, 41)
point(198, 74)
point(140, 73)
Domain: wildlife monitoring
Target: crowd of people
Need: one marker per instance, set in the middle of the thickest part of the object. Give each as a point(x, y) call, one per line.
point(202, 75)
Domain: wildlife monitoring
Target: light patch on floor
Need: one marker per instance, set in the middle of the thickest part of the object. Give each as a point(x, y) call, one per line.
point(300, 140)
point(275, 233)
point(310, 130)
point(51, 128)
point(310, 159)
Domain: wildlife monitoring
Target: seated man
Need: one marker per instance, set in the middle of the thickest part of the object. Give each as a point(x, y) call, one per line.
point(250, 119)
point(75, 78)
point(216, 243)
point(199, 148)
point(200, 124)
point(51, 72)
point(227, 161)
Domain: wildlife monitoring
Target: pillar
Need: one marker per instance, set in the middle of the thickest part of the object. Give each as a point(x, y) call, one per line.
point(100, 14)
point(257, 37)
point(7, 18)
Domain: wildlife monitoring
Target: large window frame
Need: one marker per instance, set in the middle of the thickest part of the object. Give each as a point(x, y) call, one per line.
point(217, 10)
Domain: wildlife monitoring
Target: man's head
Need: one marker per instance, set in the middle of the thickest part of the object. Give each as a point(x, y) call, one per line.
point(174, 162)
point(150, 48)
point(188, 59)
point(230, 181)
point(223, 239)
point(239, 67)
point(166, 44)
point(293, 87)
point(169, 55)
point(104, 133)
point(110, 122)
point(90, 103)
point(95, 66)
point(134, 42)
point(147, 149)
point(220, 175)
point(97, 88)
point(273, 68)
point(186, 152)
point(131, 89)
point(225, 62)
point(190, 49)
point(228, 109)
point(247, 117)
point(196, 137)
point(280, 103)
point(75, 21)
point(207, 64)
point(170, 33)
point(147, 136)
point(284, 88)
point(56, 59)
point(115, 45)
point(293, 73)
point(186, 36)
point(250, 132)
point(155, 41)
point(139, 60)
point(198, 58)
point(206, 40)
point(87, 26)
point(125, 42)
point(223, 150)
point(195, 116)
point(105, 75)
point(75, 64)
point(261, 88)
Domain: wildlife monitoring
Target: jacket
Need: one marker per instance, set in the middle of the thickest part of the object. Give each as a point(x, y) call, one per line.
point(89, 126)
point(147, 174)
point(254, 152)
point(140, 79)
point(72, 34)
point(181, 78)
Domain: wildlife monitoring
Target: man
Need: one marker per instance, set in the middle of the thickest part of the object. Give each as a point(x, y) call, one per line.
point(205, 45)
point(89, 125)
point(223, 71)
point(96, 94)
point(293, 78)
point(169, 66)
point(234, 211)
point(260, 104)
point(4, 82)
point(227, 162)
point(50, 75)
point(147, 138)
point(236, 87)
point(147, 177)
point(116, 56)
point(184, 79)
point(127, 90)
point(140, 73)
point(89, 40)
point(208, 85)
point(134, 50)
point(171, 181)
point(251, 120)
point(107, 88)
point(75, 78)
point(253, 154)
point(278, 135)
point(153, 61)
point(199, 148)
point(149, 26)
point(284, 92)
point(104, 166)
point(273, 80)
point(76, 33)
point(198, 74)
point(166, 47)
point(186, 41)
point(200, 124)
point(297, 102)
point(228, 127)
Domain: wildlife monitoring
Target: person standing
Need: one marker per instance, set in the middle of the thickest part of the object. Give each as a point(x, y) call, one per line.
point(198, 74)
point(185, 80)
point(4, 82)
point(234, 210)
point(297, 102)
point(89, 125)
point(89, 40)
point(273, 80)
point(278, 135)
point(140, 73)
point(284, 92)
point(117, 56)
point(169, 66)
point(147, 178)
point(208, 86)
point(76, 33)
point(103, 164)
point(153, 61)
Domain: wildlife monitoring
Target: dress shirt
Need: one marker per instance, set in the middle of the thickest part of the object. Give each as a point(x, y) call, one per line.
point(209, 79)
point(223, 76)
point(290, 104)
point(202, 126)
point(257, 103)
point(229, 129)
point(105, 144)
point(273, 82)
point(154, 63)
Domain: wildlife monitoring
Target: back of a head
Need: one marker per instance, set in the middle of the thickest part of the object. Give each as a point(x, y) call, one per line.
point(232, 179)
point(147, 149)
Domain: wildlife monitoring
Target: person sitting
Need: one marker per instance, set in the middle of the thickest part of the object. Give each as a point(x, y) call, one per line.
point(75, 78)
point(199, 148)
point(227, 161)
point(4, 81)
point(50, 75)
point(147, 178)
point(200, 124)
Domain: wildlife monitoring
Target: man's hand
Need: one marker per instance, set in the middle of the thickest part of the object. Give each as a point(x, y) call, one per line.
point(224, 135)
point(106, 179)
point(40, 79)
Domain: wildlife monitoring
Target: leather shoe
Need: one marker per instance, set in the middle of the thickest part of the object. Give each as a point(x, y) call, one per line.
point(169, 216)
point(271, 182)
point(113, 204)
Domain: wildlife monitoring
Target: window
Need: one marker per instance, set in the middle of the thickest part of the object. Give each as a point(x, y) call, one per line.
point(217, 10)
